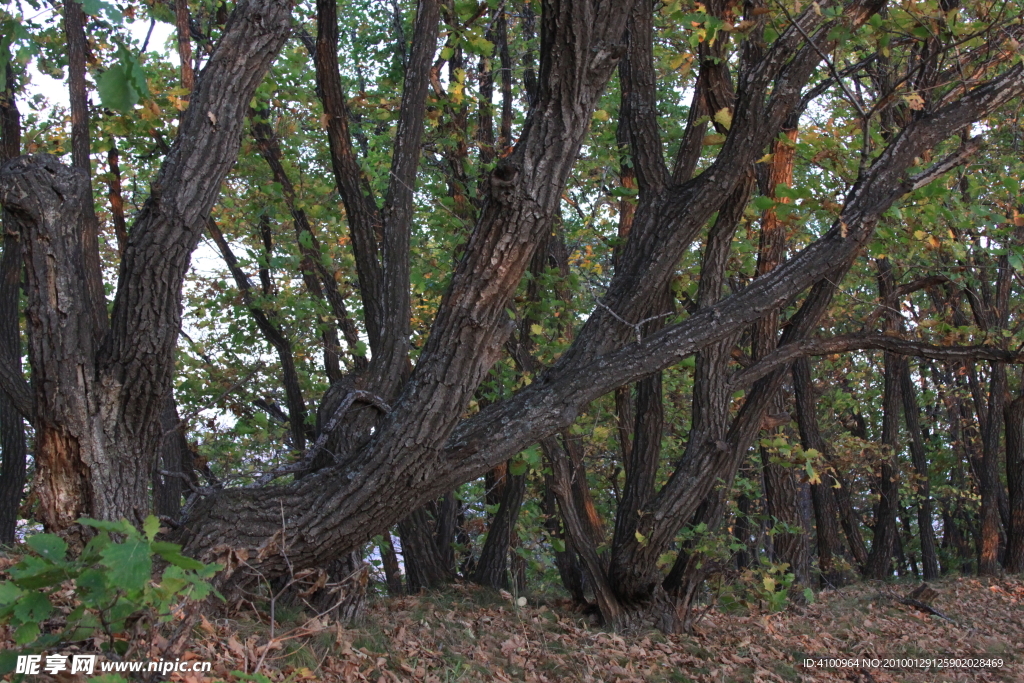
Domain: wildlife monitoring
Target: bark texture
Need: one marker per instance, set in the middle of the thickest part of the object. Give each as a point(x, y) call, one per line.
point(98, 389)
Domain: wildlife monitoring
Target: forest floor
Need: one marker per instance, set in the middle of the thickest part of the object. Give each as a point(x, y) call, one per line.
point(470, 634)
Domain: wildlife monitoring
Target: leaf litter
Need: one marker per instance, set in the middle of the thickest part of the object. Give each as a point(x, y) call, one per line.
point(471, 634)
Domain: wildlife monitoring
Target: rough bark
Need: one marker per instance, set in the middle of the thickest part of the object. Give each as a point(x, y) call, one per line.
point(567, 560)
point(407, 458)
point(781, 488)
point(173, 463)
point(883, 544)
point(184, 34)
point(988, 475)
point(1014, 418)
point(115, 198)
point(392, 570)
point(12, 429)
point(78, 48)
point(912, 416)
point(424, 565)
point(826, 522)
point(492, 568)
point(98, 406)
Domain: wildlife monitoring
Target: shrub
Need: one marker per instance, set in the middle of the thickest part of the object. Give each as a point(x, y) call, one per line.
point(108, 591)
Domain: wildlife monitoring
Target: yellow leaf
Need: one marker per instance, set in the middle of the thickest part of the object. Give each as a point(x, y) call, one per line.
point(724, 117)
point(919, 234)
point(640, 538)
point(769, 584)
point(713, 139)
point(914, 101)
point(536, 329)
point(601, 115)
point(766, 159)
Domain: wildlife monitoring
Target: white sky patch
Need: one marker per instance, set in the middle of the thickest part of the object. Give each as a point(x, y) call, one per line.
point(56, 90)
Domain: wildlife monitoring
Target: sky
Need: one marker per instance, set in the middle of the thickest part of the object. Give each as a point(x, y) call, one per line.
point(55, 90)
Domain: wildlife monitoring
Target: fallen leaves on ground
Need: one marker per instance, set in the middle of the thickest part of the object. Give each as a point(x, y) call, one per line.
point(472, 634)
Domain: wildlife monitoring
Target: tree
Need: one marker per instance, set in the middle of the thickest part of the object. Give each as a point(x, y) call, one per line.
point(100, 383)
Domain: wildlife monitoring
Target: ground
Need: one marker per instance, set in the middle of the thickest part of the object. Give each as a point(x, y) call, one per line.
point(470, 634)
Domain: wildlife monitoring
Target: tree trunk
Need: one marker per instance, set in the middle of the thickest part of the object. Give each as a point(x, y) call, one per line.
point(879, 565)
point(175, 458)
point(883, 545)
point(12, 430)
point(492, 568)
point(392, 570)
point(830, 545)
point(566, 560)
point(98, 405)
point(988, 476)
point(1014, 561)
point(912, 416)
point(781, 489)
point(424, 565)
point(345, 595)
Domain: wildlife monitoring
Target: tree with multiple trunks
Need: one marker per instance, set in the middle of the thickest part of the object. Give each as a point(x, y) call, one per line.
point(712, 271)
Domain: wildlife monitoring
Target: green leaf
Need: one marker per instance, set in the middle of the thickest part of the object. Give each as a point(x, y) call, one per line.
point(92, 587)
point(172, 553)
point(116, 91)
point(122, 526)
point(558, 544)
point(9, 593)
point(33, 607)
point(35, 572)
point(133, 70)
point(94, 7)
point(482, 46)
point(52, 547)
point(26, 633)
point(517, 467)
point(151, 526)
point(130, 563)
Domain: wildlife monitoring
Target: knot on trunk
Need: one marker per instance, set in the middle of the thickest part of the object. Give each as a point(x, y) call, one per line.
point(34, 185)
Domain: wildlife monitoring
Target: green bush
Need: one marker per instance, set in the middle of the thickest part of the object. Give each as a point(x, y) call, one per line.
point(113, 588)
